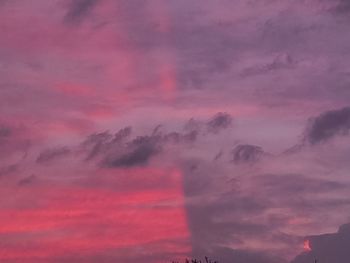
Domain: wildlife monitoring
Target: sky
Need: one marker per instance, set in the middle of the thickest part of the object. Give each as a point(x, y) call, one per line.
point(158, 130)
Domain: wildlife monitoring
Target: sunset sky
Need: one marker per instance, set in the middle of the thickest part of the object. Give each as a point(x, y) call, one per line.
point(155, 130)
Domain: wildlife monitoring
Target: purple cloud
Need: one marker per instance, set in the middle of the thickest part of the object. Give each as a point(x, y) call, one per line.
point(328, 125)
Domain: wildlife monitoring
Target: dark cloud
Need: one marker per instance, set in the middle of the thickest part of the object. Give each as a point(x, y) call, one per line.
point(294, 149)
point(218, 155)
point(176, 137)
point(117, 151)
point(342, 8)
point(220, 121)
point(14, 139)
point(328, 248)
point(4, 131)
point(8, 169)
point(122, 134)
point(193, 125)
point(247, 153)
point(141, 149)
point(51, 154)
point(98, 143)
point(137, 152)
point(328, 125)
point(281, 61)
point(27, 180)
point(294, 184)
point(78, 10)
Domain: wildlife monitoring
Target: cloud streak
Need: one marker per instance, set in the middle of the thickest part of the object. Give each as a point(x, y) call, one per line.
point(328, 125)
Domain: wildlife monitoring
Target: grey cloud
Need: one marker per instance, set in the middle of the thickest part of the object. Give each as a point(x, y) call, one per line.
point(188, 136)
point(5, 131)
point(220, 121)
point(8, 169)
point(287, 184)
point(14, 139)
point(102, 142)
point(177, 137)
point(328, 248)
point(303, 195)
point(78, 9)
point(119, 151)
point(138, 152)
point(27, 180)
point(246, 153)
point(122, 134)
point(51, 154)
point(328, 125)
point(290, 189)
point(293, 149)
point(95, 144)
point(193, 125)
point(218, 156)
point(342, 8)
point(281, 61)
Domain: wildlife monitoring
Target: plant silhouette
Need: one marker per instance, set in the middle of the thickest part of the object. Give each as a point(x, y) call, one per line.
point(207, 260)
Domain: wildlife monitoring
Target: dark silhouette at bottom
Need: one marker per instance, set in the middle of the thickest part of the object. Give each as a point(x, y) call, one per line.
point(207, 260)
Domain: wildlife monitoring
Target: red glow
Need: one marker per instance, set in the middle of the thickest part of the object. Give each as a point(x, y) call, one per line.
point(306, 246)
point(82, 221)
